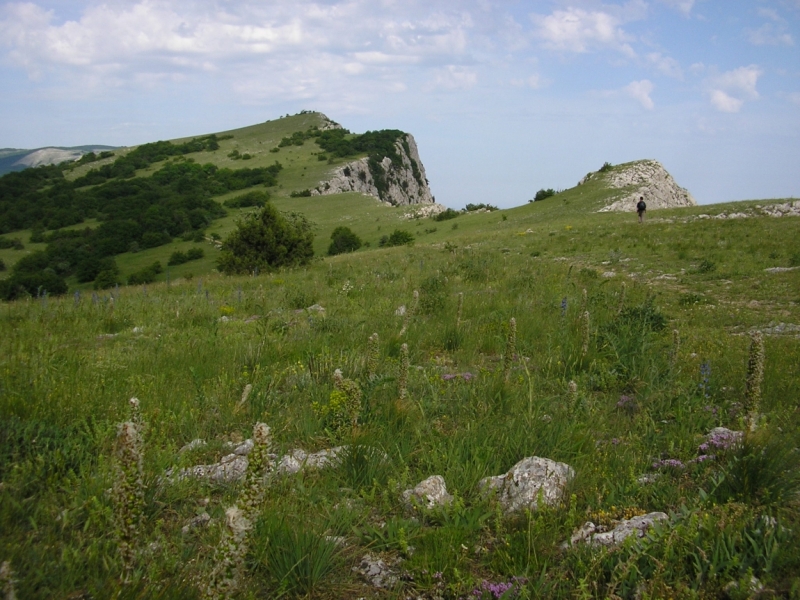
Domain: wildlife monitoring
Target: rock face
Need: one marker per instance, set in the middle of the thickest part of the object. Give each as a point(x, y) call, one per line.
point(530, 480)
point(400, 184)
point(646, 178)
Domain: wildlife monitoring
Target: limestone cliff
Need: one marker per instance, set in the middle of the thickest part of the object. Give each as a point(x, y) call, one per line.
point(647, 178)
point(395, 182)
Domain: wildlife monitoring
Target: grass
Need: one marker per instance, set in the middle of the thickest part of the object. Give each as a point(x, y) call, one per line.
point(69, 365)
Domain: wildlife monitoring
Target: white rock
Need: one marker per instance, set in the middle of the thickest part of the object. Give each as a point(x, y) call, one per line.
point(531, 478)
point(430, 492)
point(193, 445)
point(627, 527)
point(200, 520)
point(377, 572)
point(646, 178)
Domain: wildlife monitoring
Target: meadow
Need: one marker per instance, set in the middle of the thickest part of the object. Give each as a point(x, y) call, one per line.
point(660, 361)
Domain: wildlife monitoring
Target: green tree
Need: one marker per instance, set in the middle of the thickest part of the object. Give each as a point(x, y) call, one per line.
point(343, 240)
point(267, 240)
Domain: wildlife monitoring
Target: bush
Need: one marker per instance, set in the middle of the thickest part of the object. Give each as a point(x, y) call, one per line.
point(606, 167)
point(543, 194)
point(267, 240)
point(151, 239)
point(399, 237)
point(2, 265)
point(106, 279)
point(246, 200)
point(14, 243)
point(146, 275)
point(300, 194)
point(474, 207)
point(343, 240)
point(446, 215)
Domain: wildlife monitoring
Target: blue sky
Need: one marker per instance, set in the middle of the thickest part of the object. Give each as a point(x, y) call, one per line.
point(503, 97)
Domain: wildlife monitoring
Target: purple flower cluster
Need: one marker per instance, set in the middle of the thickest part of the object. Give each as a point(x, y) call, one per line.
point(712, 409)
point(720, 439)
point(467, 376)
point(625, 401)
point(497, 590)
point(668, 463)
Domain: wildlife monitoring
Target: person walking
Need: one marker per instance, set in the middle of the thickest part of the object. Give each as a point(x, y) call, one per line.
point(641, 208)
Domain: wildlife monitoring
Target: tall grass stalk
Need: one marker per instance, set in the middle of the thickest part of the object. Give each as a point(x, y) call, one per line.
point(402, 379)
point(373, 353)
point(585, 330)
point(410, 310)
point(511, 348)
point(459, 312)
point(128, 495)
point(754, 379)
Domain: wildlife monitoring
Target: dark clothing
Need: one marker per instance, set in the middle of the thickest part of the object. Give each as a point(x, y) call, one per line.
point(641, 206)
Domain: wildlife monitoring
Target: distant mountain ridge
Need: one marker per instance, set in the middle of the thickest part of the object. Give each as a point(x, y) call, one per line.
point(17, 159)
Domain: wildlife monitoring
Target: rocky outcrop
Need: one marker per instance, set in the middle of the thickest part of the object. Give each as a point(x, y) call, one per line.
point(530, 481)
point(399, 183)
point(597, 535)
point(430, 493)
point(647, 178)
point(326, 123)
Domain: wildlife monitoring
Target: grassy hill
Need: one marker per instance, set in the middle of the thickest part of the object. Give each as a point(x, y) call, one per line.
point(631, 343)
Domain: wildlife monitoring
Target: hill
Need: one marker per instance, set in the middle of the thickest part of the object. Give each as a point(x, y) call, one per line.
point(548, 401)
point(104, 208)
point(15, 159)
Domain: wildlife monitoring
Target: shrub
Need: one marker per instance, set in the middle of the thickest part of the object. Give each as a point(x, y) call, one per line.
point(543, 194)
point(146, 275)
point(343, 240)
point(446, 215)
point(474, 207)
point(300, 194)
point(14, 243)
point(707, 266)
point(267, 240)
point(606, 167)
point(105, 279)
point(151, 239)
point(245, 200)
point(399, 237)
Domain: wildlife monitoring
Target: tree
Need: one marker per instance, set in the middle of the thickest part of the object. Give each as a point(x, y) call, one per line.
point(543, 194)
point(343, 240)
point(267, 240)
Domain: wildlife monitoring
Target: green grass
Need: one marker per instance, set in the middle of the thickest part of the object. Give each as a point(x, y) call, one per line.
point(69, 365)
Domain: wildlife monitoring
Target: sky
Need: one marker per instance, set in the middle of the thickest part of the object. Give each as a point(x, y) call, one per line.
point(503, 97)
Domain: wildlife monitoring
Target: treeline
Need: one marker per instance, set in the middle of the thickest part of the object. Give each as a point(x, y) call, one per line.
point(135, 213)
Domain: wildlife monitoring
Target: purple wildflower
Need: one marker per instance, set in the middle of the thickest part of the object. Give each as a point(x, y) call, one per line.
point(467, 376)
point(720, 439)
point(616, 441)
point(449, 376)
point(702, 458)
point(671, 463)
point(624, 401)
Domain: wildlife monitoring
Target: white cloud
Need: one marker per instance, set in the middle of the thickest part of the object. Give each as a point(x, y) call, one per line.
point(578, 30)
point(725, 103)
point(684, 6)
point(770, 35)
point(666, 65)
point(453, 78)
point(300, 47)
point(641, 90)
point(728, 91)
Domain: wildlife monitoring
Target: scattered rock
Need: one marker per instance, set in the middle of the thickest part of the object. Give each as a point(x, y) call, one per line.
point(298, 459)
point(375, 570)
point(529, 480)
point(430, 492)
point(200, 520)
point(193, 445)
point(597, 536)
point(781, 269)
point(401, 310)
point(315, 308)
point(609, 274)
point(230, 468)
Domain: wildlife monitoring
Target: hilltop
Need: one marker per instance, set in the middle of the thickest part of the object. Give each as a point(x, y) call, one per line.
point(549, 401)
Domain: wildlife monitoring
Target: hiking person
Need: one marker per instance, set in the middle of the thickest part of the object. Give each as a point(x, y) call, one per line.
point(641, 207)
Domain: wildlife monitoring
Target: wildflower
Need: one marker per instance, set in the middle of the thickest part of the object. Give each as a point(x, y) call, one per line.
point(755, 377)
point(622, 294)
point(676, 346)
point(351, 395)
point(402, 380)
point(584, 300)
point(572, 392)
point(460, 309)
point(720, 439)
point(373, 350)
point(468, 376)
point(245, 395)
point(585, 333)
point(410, 313)
point(705, 378)
point(229, 555)
point(671, 463)
point(128, 495)
point(564, 306)
point(511, 346)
